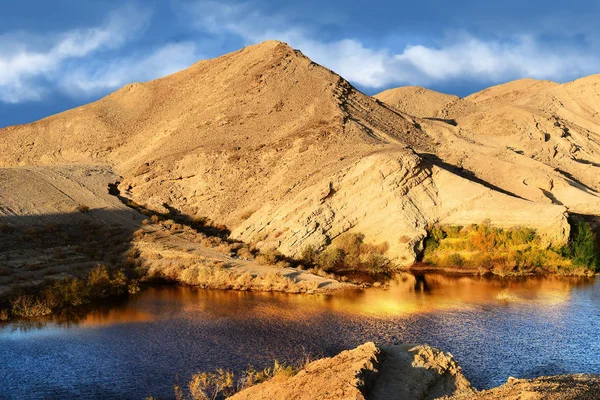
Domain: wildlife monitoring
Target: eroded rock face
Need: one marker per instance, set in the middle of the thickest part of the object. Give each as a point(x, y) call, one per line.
point(369, 372)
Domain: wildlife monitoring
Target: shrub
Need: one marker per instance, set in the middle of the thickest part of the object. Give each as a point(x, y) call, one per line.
point(455, 260)
point(331, 259)
point(522, 235)
point(582, 247)
point(484, 238)
point(212, 385)
point(308, 256)
point(377, 264)
point(269, 257)
point(29, 306)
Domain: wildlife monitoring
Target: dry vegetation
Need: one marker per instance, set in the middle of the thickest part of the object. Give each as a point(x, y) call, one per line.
point(350, 257)
point(510, 252)
point(101, 283)
point(222, 384)
point(217, 275)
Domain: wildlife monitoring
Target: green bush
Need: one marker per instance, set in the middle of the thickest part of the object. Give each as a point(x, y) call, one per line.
point(309, 256)
point(331, 259)
point(582, 247)
point(455, 260)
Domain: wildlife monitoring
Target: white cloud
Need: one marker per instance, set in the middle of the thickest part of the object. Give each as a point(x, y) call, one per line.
point(459, 56)
point(32, 66)
point(113, 74)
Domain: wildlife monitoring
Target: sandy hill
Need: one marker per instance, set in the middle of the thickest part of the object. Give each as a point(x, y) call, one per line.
point(287, 154)
point(536, 139)
point(418, 101)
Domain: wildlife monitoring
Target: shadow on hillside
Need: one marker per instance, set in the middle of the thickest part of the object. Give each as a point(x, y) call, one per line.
point(448, 121)
point(586, 162)
point(463, 173)
point(574, 182)
point(39, 249)
point(201, 225)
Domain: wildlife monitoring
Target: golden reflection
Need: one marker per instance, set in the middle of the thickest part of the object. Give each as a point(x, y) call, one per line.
point(407, 294)
point(114, 316)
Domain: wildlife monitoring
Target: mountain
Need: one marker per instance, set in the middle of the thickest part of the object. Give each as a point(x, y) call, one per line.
point(288, 154)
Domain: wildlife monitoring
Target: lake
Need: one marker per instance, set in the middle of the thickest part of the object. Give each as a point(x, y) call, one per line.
point(549, 325)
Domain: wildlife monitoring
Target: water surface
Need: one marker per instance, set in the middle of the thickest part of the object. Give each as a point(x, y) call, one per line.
point(141, 348)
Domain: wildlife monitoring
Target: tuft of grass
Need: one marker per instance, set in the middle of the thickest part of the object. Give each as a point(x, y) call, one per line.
point(221, 384)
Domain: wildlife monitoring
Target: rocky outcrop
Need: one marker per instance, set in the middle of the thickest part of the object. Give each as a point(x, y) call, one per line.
point(407, 372)
point(370, 372)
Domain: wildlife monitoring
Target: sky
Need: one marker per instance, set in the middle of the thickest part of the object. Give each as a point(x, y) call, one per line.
point(56, 55)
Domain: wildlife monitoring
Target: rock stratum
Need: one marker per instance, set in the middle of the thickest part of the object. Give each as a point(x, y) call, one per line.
point(288, 154)
point(408, 372)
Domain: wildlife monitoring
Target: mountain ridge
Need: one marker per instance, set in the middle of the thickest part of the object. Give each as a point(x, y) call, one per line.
point(288, 154)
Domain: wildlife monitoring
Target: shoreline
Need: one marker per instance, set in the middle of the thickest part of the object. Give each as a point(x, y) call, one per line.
point(149, 282)
point(430, 268)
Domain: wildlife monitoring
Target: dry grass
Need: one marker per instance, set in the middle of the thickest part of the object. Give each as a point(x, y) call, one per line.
point(101, 283)
point(215, 275)
point(222, 384)
point(506, 296)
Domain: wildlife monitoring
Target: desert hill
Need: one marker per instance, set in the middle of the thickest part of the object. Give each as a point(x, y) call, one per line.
point(287, 154)
point(543, 137)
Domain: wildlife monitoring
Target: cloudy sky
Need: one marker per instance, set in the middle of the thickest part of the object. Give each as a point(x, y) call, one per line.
point(55, 55)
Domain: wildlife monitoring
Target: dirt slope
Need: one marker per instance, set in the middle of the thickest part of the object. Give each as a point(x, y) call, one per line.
point(287, 154)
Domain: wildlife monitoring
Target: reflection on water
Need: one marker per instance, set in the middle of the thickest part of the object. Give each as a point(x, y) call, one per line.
point(495, 328)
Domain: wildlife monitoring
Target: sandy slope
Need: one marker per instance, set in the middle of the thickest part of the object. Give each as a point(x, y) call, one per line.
point(287, 154)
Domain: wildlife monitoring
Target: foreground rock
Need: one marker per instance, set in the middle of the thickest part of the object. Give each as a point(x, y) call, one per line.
point(562, 387)
point(409, 372)
point(370, 372)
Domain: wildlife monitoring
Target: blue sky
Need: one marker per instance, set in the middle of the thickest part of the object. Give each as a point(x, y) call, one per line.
point(55, 55)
